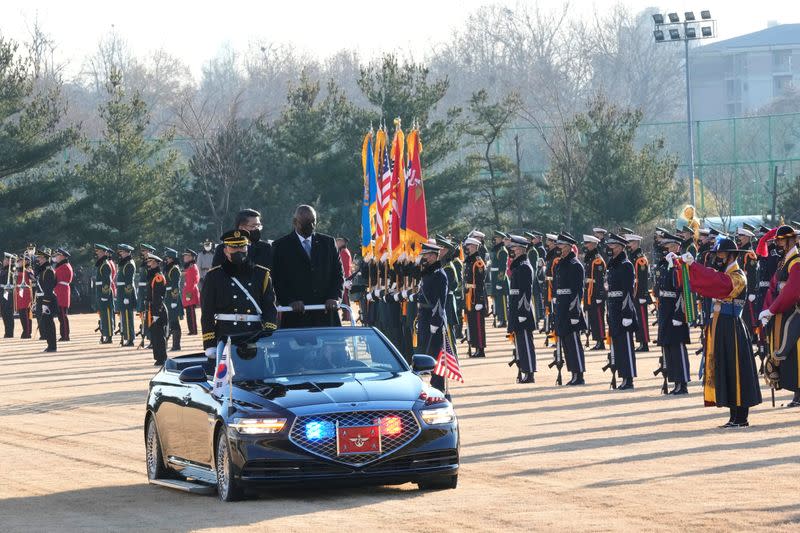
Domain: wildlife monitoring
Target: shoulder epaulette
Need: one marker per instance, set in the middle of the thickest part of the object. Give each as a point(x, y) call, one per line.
point(262, 267)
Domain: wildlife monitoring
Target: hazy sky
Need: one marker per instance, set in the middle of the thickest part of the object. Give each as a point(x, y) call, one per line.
point(195, 30)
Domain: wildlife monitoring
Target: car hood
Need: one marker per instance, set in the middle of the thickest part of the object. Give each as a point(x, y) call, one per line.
point(336, 389)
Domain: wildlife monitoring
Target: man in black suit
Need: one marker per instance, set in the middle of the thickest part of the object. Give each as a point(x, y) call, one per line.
point(259, 252)
point(307, 270)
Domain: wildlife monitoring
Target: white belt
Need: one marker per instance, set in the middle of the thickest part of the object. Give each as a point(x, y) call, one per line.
point(64, 283)
point(667, 294)
point(120, 283)
point(494, 269)
point(470, 285)
point(230, 317)
point(513, 292)
point(563, 291)
point(763, 283)
point(39, 294)
point(169, 287)
point(615, 294)
point(142, 284)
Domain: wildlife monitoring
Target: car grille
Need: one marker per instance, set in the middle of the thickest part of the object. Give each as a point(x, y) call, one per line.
point(326, 447)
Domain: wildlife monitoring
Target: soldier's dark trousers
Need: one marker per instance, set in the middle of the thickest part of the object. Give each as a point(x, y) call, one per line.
point(175, 331)
point(63, 323)
point(105, 313)
point(7, 310)
point(191, 320)
point(158, 338)
point(624, 356)
point(573, 352)
point(526, 354)
point(47, 328)
point(476, 322)
point(27, 323)
point(500, 307)
point(597, 321)
point(126, 327)
point(677, 361)
point(643, 328)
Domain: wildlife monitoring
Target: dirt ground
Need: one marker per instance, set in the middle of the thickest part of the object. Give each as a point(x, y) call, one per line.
point(535, 457)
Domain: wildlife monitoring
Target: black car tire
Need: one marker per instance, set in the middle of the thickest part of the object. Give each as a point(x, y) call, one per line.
point(439, 483)
point(228, 488)
point(156, 469)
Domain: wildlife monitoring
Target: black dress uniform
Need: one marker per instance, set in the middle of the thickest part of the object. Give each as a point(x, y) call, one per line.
point(172, 299)
point(595, 296)
point(237, 300)
point(48, 306)
point(521, 322)
point(497, 278)
point(126, 295)
point(142, 291)
point(156, 312)
point(641, 297)
point(452, 287)
point(536, 255)
point(431, 314)
point(748, 262)
point(568, 311)
point(552, 258)
point(673, 331)
point(7, 295)
point(458, 327)
point(621, 313)
point(475, 300)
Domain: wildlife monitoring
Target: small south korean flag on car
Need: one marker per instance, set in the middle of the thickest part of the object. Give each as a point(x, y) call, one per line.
point(223, 375)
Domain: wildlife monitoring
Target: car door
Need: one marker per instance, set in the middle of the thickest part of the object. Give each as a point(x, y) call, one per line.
point(167, 406)
point(198, 417)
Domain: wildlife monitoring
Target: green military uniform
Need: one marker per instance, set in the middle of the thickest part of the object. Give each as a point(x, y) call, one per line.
point(498, 279)
point(126, 293)
point(142, 292)
point(172, 298)
point(104, 294)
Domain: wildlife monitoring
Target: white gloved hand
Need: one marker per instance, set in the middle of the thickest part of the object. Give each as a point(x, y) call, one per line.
point(396, 296)
point(376, 292)
point(412, 297)
point(173, 305)
point(598, 301)
point(687, 258)
point(671, 258)
point(676, 322)
point(434, 329)
point(764, 316)
point(369, 296)
point(45, 310)
point(521, 318)
point(155, 317)
point(211, 352)
point(642, 301)
point(626, 322)
point(101, 299)
point(498, 287)
point(126, 301)
point(478, 307)
point(573, 321)
point(404, 294)
point(348, 284)
point(751, 297)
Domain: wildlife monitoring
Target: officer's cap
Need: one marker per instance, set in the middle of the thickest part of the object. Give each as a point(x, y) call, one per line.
point(748, 227)
point(154, 257)
point(599, 230)
point(633, 237)
point(101, 247)
point(501, 234)
point(444, 242)
point(745, 232)
point(428, 248)
point(670, 238)
point(470, 240)
point(170, 253)
point(126, 247)
point(518, 240)
point(591, 238)
point(625, 231)
point(785, 232)
point(147, 247)
point(477, 234)
point(236, 238)
point(189, 251)
point(551, 237)
point(613, 238)
point(533, 233)
point(660, 231)
point(725, 245)
point(44, 252)
point(565, 238)
point(704, 231)
point(62, 251)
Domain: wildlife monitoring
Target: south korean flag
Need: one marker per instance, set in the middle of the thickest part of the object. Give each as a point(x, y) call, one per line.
point(223, 375)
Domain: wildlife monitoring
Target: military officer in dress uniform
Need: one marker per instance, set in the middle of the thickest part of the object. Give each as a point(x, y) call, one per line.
point(673, 331)
point(446, 257)
point(155, 311)
point(621, 310)
point(730, 376)
point(595, 295)
point(47, 303)
point(475, 295)
point(172, 299)
point(748, 262)
point(7, 294)
point(601, 233)
point(104, 293)
point(781, 312)
point(237, 299)
point(191, 289)
point(64, 276)
point(568, 310)
point(521, 321)
point(551, 259)
point(536, 255)
point(498, 259)
point(431, 298)
point(143, 289)
point(641, 289)
point(126, 293)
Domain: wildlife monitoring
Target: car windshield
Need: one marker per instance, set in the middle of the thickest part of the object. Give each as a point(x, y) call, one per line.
point(300, 352)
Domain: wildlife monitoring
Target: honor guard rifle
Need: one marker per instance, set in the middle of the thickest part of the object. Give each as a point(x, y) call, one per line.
point(558, 361)
point(612, 365)
point(662, 369)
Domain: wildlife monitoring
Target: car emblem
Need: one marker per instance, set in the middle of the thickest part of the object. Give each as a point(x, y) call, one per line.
point(359, 441)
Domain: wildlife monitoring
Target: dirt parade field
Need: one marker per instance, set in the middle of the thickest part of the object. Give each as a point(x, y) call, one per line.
point(535, 457)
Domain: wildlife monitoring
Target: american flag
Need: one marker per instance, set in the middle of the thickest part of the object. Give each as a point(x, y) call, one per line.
point(447, 364)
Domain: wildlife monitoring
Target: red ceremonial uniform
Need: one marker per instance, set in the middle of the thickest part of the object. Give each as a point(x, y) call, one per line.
point(23, 298)
point(191, 292)
point(64, 275)
point(782, 299)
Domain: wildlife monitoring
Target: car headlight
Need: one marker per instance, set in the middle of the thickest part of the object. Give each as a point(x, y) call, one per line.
point(258, 426)
point(441, 415)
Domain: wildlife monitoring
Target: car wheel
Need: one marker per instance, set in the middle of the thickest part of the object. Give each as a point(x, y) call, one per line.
point(228, 488)
point(439, 483)
point(155, 460)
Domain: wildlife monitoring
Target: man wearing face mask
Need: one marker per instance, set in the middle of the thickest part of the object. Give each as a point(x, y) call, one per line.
point(431, 299)
point(46, 282)
point(104, 292)
point(748, 262)
point(155, 311)
point(595, 294)
point(730, 375)
point(142, 291)
point(191, 293)
point(259, 252)
point(621, 310)
point(205, 259)
point(569, 318)
point(673, 331)
point(475, 295)
point(126, 293)
point(237, 299)
point(780, 316)
point(521, 321)
point(308, 271)
point(172, 299)
point(64, 275)
point(641, 289)
point(552, 257)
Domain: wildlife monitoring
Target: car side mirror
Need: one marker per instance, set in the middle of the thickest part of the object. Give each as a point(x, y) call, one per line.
point(422, 363)
point(193, 374)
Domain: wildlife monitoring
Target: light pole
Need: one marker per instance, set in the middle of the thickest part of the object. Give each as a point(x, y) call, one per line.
point(686, 30)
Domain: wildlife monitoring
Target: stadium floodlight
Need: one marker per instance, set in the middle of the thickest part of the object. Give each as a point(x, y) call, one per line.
point(691, 33)
point(706, 31)
point(705, 15)
point(689, 16)
point(659, 35)
point(673, 18)
point(658, 18)
point(674, 34)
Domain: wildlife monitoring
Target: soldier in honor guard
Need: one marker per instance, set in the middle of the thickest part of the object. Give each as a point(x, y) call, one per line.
point(673, 331)
point(46, 303)
point(191, 289)
point(237, 299)
point(143, 289)
point(458, 262)
point(104, 295)
point(521, 322)
point(475, 296)
point(601, 233)
point(621, 310)
point(551, 260)
point(23, 294)
point(688, 245)
point(431, 297)
point(594, 265)
point(730, 375)
point(446, 257)
point(126, 293)
point(64, 277)
point(748, 262)
point(782, 370)
point(536, 255)
point(205, 259)
point(498, 259)
point(641, 288)
point(767, 265)
point(569, 318)
point(155, 310)
point(7, 294)
point(172, 299)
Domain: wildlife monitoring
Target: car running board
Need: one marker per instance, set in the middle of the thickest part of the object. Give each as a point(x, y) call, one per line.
point(185, 486)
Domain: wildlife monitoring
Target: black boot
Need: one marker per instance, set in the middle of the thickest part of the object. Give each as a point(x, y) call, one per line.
point(795, 400)
point(578, 380)
point(176, 340)
point(479, 353)
point(680, 388)
point(642, 348)
point(599, 346)
point(527, 377)
point(627, 384)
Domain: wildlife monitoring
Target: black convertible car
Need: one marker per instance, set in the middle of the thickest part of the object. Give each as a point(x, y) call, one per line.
point(308, 406)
